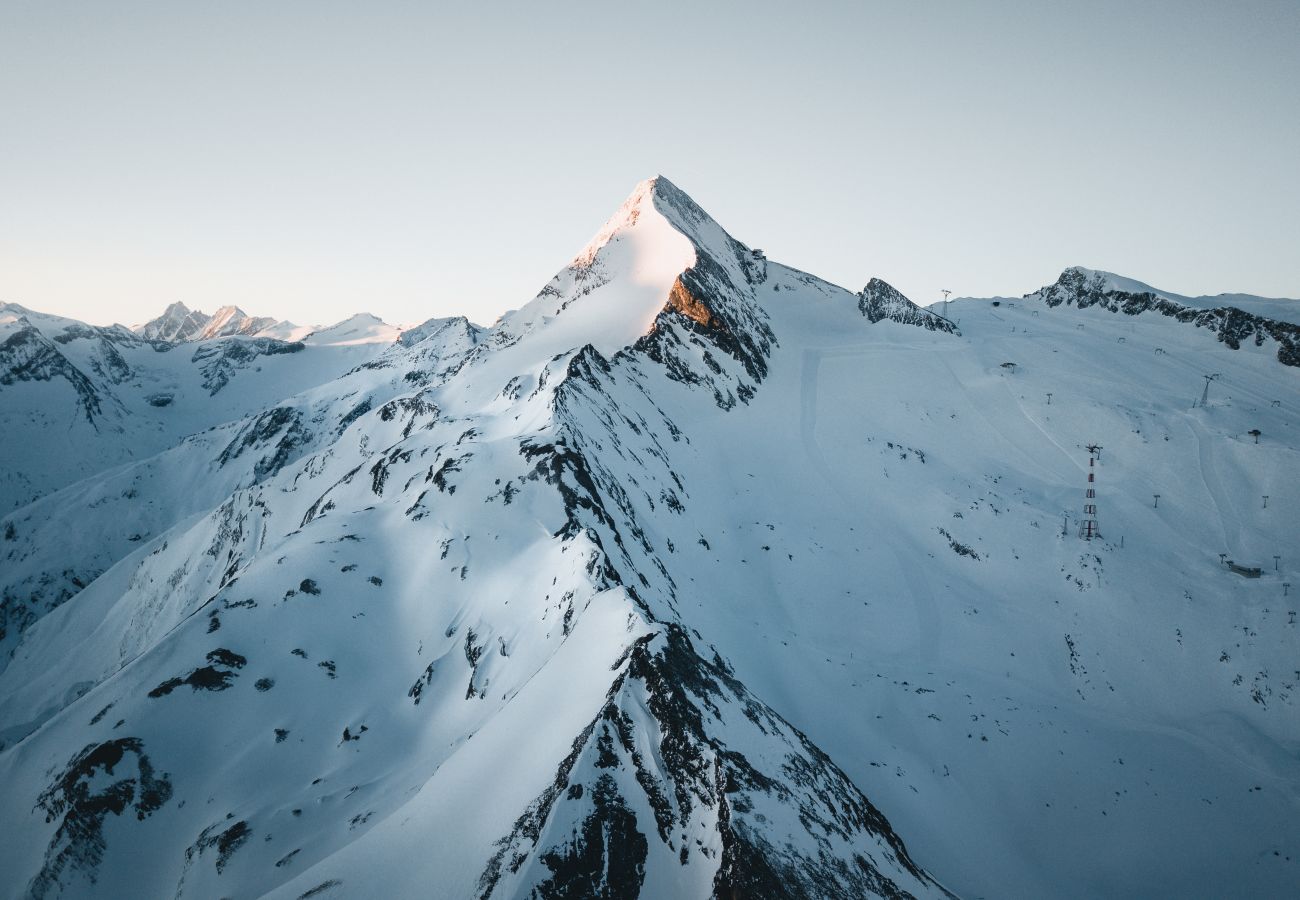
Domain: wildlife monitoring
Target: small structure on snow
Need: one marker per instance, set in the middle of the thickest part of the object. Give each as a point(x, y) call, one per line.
point(1244, 571)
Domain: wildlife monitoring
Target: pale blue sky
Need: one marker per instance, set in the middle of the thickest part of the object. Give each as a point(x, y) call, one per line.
point(311, 159)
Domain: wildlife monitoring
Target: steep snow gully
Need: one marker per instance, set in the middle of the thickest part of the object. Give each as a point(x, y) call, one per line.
point(696, 576)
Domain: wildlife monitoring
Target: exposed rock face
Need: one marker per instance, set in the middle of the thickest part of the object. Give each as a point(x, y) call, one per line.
point(879, 301)
point(452, 327)
point(231, 320)
point(681, 300)
point(35, 347)
point(1233, 327)
point(28, 355)
point(112, 778)
point(716, 300)
point(667, 741)
point(178, 323)
point(219, 360)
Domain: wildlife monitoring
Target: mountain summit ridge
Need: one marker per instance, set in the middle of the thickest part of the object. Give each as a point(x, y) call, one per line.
point(1232, 324)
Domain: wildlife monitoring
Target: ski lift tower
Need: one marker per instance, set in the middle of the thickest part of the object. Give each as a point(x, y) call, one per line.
point(1205, 394)
point(945, 293)
point(1088, 527)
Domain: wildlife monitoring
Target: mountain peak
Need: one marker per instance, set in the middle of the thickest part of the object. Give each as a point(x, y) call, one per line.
point(1081, 287)
point(626, 216)
point(612, 289)
point(648, 189)
point(359, 328)
point(654, 196)
point(881, 300)
point(231, 320)
point(177, 323)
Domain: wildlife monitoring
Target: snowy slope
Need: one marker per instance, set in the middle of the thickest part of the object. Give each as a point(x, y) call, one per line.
point(648, 588)
point(285, 331)
point(363, 328)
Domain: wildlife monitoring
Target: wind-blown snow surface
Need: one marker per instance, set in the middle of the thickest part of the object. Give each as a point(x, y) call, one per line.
point(649, 588)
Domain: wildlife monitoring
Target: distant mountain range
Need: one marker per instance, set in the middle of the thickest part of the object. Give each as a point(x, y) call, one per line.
point(179, 323)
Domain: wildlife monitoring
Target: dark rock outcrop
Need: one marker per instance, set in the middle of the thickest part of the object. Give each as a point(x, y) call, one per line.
point(1233, 327)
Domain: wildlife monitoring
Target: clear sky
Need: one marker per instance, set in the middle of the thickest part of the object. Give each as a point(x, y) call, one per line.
point(312, 159)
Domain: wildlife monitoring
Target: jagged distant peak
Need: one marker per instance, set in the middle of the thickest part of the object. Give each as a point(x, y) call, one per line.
point(882, 294)
point(230, 311)
point(1237, 319)
point(1091, 285)
point(880, 300)
point(231, 320)
point(176, 324)
point(1079, 280)
point(1113, 280)
point(179, 324)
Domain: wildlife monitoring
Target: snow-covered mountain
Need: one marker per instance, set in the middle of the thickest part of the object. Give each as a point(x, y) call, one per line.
point(362, 328)
point(76, 399)
point(1234, 318)
point(1090, 282)
point(179, 323)
point(695, 576)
